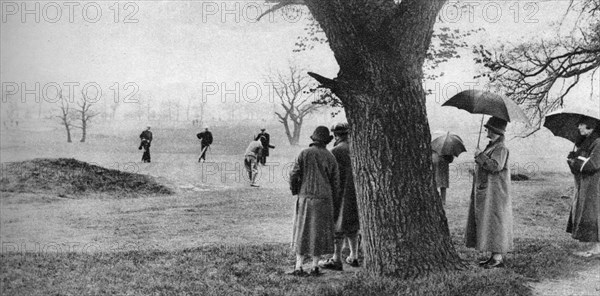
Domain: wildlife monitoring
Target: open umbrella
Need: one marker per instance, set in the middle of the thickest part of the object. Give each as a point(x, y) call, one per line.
point(563, 123)
point(448, 144)
point(483, 102)
point(487, 103)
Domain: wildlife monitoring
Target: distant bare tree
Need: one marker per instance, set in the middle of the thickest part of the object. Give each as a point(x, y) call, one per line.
point(83, 114)
point(65, 116)
point(292, 89)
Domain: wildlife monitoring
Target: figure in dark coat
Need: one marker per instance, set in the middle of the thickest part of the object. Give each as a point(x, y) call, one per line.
point(314, 180)
point(146, 139)
point(584, 220)
point(345, 208)
point(206, 140)
point(265, 139)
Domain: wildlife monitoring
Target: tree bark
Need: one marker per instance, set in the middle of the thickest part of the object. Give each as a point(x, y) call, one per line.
point(296, 135)
point(68, 133)
point(83, 129)
point(380, 47)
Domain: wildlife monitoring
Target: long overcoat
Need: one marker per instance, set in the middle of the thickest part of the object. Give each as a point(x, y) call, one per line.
point(314, 179)
point(584, 220)
point(490, 218)
point(345, 208)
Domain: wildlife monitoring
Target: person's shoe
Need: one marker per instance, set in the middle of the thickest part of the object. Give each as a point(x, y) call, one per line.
point(331, 264)
point(484, 262)
point(254, 185)
point(298, 272)
point(352, 262)
point(315, 272)
point(494, 264)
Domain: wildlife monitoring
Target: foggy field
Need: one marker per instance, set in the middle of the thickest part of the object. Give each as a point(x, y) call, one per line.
point(214, 207)
point(218, 188)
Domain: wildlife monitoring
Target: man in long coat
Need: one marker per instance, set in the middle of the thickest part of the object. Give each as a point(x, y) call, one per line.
point(345, 208)
point(490, 219)
point(584, 221)
point(265, 139)
point(315, 180)
point(145, 140)
point(206, 140)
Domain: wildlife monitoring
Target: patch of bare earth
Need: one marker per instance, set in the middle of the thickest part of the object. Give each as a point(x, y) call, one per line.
point(585, 283)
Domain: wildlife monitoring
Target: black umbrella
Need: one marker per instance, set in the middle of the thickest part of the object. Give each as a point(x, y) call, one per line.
point(448, 144)
point(483, 102)
point(487, 103)
point(563, 123)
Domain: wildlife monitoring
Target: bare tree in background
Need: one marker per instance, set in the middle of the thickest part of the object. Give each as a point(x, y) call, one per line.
point(539, 74)
point(65, 116)
point(292, 89)
point(83, 114)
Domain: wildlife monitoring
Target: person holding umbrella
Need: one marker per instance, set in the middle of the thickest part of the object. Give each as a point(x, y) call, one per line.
point(581, 125)
point(584, 163)
point(445, 148)
point(490, 219)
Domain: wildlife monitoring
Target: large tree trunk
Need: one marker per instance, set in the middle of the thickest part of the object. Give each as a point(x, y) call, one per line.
point(380, 49)
point(403, 222)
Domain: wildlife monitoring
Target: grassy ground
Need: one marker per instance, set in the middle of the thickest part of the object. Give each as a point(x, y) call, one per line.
point(218, 236)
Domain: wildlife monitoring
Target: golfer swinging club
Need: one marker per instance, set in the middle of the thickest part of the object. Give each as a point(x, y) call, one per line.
point(206, 140)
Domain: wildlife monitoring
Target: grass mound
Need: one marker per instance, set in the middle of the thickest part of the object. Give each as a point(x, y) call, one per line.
point(70, 176)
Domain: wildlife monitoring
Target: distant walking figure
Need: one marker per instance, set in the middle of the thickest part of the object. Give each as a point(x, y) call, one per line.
point(251, 160)
point(584, 221)
point(490, 218)
point(265, 138)
point(206, 140)
point(146, 139)
point(314, 180)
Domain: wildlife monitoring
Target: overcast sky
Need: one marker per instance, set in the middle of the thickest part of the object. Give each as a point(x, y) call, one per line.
point(159, 45)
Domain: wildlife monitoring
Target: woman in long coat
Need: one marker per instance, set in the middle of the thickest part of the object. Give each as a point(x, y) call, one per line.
point(315, 180)
point(585, 164)
point(490, 219)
